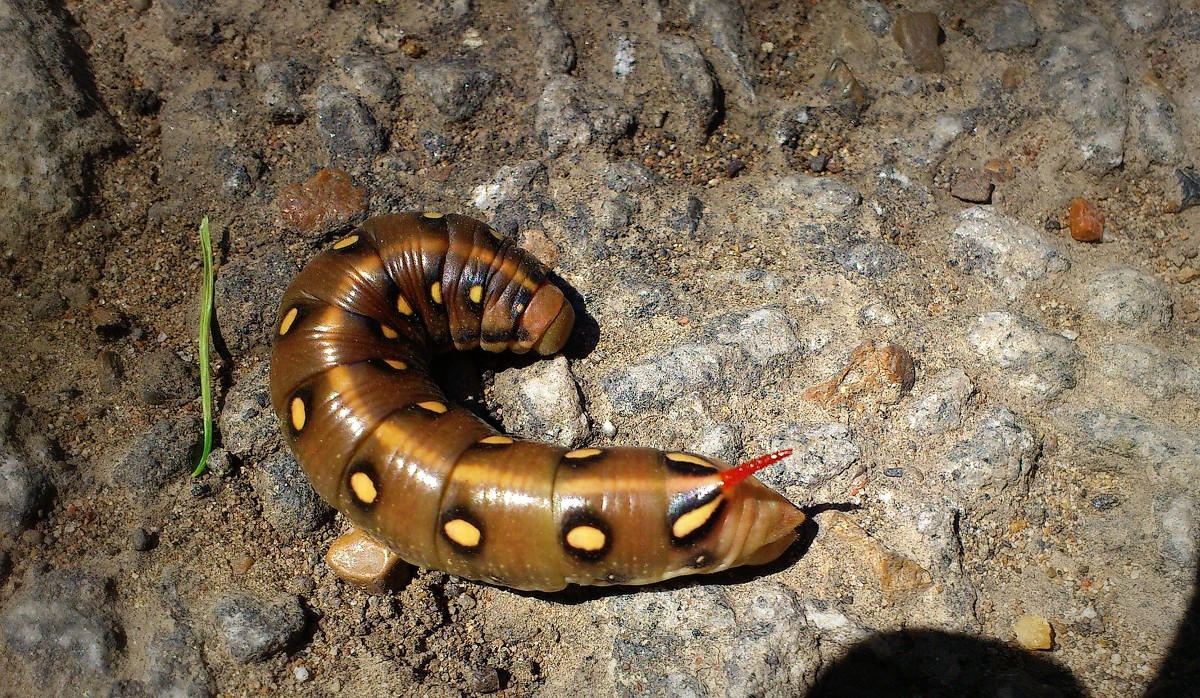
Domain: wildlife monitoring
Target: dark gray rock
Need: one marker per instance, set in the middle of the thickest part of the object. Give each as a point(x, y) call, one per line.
point(280, 84)
point(159, 456)
point(699, 94)
point(370, 76)
point(939, 403)
point(1000, 453)
point(166, 379)
point(687, 368)
point(876, 16)
point(247, 295)
point(1144, 15)
point(723, 23)
point(1011, 255)
point(52, 126)
point(1009, 27)
point(1129, 298)
point(457, 87)
point(176, 666)
point(570, 116)
point(60, 624)
point(821, 452)
point(254, 628)
point(629, 176)
point(1039, 363)
point(1083, 81)
point(346, 126)
point(661, 634)
point(541, 402)
point(249, 427)
point(870, 259)
point(1147, 368)
point(1159, 133)
point(765, 334)
point(23, 489)
point(1177, 516)
point(555, 49)
point(511, 183)
point(289, 502)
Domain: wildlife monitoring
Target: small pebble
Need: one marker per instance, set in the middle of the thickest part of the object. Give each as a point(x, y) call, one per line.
point(300, 672)
point(973, 186)
point(141, 540)
point(1087, 224)
point(893, 472)
point(1033, 632)
point(917, 33)
point(1104, 502)
point(1187, 275)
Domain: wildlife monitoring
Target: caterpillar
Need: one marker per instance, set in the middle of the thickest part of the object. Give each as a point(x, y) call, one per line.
point(426, 481)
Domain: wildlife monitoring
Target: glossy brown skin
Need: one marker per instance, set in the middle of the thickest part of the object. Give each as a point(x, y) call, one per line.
point(440, 487)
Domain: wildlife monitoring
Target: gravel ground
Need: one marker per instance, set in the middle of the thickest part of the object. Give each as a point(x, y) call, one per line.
point(759, 209)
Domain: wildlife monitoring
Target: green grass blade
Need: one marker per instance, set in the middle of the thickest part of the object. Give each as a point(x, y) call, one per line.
point(206, 309)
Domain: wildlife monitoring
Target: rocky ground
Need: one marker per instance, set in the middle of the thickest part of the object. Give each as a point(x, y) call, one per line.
point(739, 195)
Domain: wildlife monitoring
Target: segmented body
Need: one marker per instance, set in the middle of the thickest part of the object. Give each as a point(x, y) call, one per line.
point(440, 487)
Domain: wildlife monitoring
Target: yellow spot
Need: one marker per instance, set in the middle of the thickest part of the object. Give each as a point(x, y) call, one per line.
point(582, 453)
point(389, 332)
point(587, 538)
point(519, 307)
point(396, 364)
point(363, 487)
point(496, 439)
point(689, 458)
point(476, 293)
point(288, 319)
point(299, 413)
point(403, 306)
point(433, 406)
point(689, 522)
point(462, 532)
point(436, 292)
point(495, 233)
point(345, 242)
point(432, 214)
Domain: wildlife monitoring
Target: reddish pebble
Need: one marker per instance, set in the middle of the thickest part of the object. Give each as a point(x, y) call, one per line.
point(325, 202)
point(1087, 224)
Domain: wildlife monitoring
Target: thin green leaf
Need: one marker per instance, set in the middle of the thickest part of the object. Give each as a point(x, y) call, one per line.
point(206, 308)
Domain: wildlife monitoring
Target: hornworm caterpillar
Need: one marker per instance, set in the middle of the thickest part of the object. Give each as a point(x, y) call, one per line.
point(428, 482)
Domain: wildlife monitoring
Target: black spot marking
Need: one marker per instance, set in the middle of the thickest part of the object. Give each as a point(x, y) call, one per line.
point(367, 468)
point(690, 469)
point(585, 517)
point(689, 501)
point(461, 512)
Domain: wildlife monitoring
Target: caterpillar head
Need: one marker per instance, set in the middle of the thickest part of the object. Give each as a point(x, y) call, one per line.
point(546, 324)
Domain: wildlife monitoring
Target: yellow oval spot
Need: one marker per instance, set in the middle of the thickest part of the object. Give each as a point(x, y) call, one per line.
point(495, 233)
point(389, 332)
point(432, 214)
point(433, 406)
point(689, 522)
point(396, 364)
point(496, 439)
point(403, 306)
point(587, 538)
point(299, 413)
point(363, 487)
point(435, 291)
point(582, 453)
point(689, 458)
point(462, 532)
point(288, 318)
point(345, 242)
point(519, 307)
point(475, 294)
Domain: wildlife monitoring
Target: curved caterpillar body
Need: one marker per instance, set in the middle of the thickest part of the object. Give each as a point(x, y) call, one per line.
point(425, 480)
